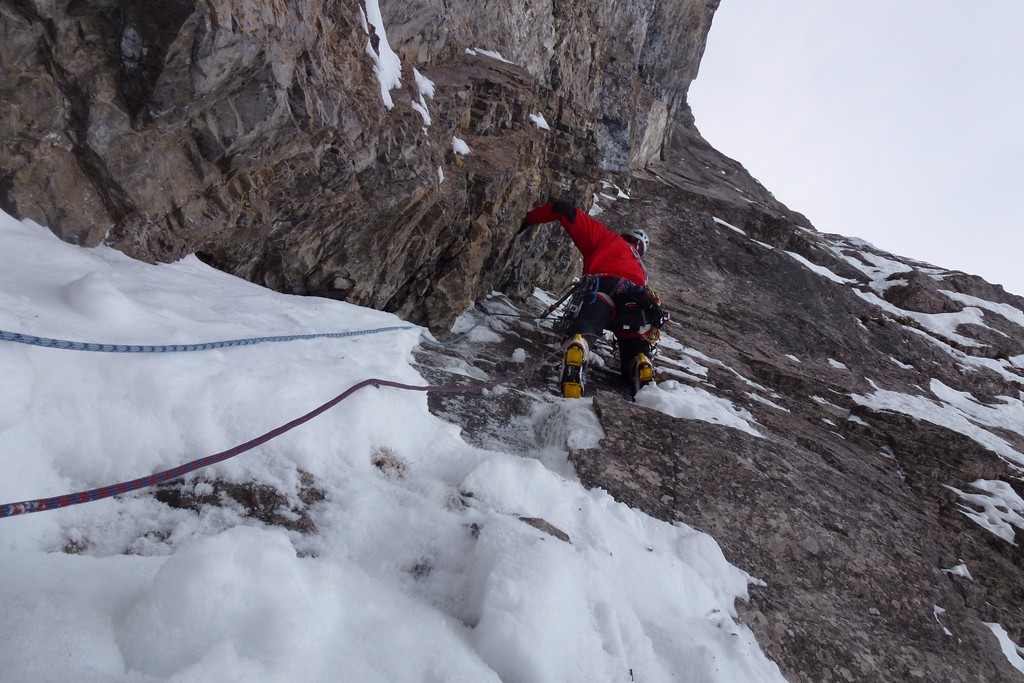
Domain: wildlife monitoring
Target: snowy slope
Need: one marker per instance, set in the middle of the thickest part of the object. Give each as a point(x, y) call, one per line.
point(420, 568)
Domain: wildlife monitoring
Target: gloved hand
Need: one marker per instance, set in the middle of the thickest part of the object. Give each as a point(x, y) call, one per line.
point(659, 316)
point(524, 226)
point(566, 208)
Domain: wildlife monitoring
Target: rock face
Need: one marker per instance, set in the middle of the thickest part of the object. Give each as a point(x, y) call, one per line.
point(256, 134)
point(882, 397)
point(888, 398)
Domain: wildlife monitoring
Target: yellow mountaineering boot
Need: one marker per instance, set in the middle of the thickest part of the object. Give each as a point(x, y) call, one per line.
point(573, 367)
point(642, 372)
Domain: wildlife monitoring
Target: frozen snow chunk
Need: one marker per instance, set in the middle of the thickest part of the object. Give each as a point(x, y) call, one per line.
point(424, 85)
point(487, 53)
point(459, 146)
point(539, 121)
point(959, 570)
point(98, 300)
point(937, 612)
point(386, 64)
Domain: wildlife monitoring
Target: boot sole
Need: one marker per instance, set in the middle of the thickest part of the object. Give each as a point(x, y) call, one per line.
point(572, 380)
point(643, 373)
point(572, 390)
point(574, 356)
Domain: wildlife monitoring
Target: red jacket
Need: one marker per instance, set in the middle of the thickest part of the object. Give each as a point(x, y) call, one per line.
point(604, 252)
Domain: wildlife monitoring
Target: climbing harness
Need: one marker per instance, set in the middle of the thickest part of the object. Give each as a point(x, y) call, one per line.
point(578, 293)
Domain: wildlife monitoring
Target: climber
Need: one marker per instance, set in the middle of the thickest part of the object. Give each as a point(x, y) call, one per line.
point(617, 299)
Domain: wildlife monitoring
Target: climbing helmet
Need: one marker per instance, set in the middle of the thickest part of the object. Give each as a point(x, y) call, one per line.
point(639, 239)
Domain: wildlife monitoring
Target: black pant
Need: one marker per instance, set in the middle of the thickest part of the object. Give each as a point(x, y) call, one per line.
point(614, 313)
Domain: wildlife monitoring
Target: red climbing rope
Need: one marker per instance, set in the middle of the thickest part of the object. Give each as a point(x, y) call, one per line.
point(41, 504)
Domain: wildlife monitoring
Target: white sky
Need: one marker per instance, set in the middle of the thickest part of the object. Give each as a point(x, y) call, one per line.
point(900, 123)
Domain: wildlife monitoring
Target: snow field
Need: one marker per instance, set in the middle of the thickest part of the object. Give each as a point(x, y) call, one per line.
point(420, 569)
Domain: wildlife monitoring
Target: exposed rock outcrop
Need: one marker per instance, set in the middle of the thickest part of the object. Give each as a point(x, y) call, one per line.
point(882, 390)
point(256, 135)
point(878, 436)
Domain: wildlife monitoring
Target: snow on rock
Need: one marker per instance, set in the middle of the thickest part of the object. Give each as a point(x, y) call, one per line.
point(732, 227)
point(820, 270)
point(386, 64)
point(419, 565)
point(619, 192)
point(1014, 653)
point(949, 415)
point(1011, 313)
point(943, 324)
point(425, 87)
point(1007, 414)
point(878, 268)
point(973, 363)
point(487, 53)
point(1002, 508)
point(959, 570)
point(459, 146)
point(693, 403)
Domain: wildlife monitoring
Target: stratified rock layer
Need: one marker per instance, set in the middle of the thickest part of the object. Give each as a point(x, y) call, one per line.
point(256, 134)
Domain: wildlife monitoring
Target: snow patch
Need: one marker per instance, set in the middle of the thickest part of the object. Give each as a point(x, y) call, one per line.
point(1012, 651)
point(434, 563)
point(946, 415)
point(692, 403)
point(820, 270)
point(1001, 508)
point(459, 146)
point(386, 64)
point(728, 225)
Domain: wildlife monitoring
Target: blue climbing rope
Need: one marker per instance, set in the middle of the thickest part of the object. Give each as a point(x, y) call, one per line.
point(39, 505)
point(64, 344)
